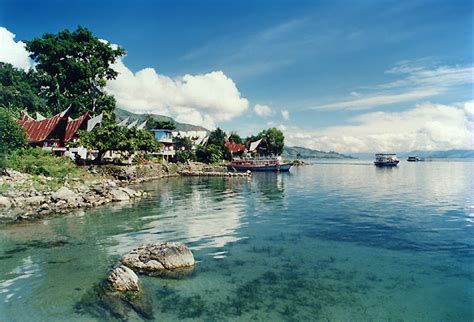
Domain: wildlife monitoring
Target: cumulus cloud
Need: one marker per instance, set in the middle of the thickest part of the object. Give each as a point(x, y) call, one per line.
point(425, 127)
point(13, 52)
point(262, 110)
point(285, 114)
point(202, 99)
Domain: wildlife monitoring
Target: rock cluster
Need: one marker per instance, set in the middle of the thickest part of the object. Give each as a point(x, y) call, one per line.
point(21, 201)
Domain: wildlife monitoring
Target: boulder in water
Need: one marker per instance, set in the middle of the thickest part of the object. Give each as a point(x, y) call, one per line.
point(159, 258)
point(123, 279)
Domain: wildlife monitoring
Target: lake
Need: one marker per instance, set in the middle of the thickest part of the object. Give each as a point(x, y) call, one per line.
point(328, 241)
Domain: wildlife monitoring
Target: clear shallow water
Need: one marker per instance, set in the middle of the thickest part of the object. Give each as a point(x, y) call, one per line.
point(328, 241)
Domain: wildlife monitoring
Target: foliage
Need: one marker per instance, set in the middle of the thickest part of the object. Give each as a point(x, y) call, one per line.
point(73, 68)
point(12, 135)
point(110, 136)
point(185, 155)
point(19, 90)
point(234, 137)
point(35, 161)
point(217, 138)
point(152, 124)
point(184, 149)
point(273, 141)
point(209, 154)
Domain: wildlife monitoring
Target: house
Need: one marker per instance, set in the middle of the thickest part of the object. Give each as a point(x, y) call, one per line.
point(196, 137)
point(234, 148)
point(165, 137)
point(55, 132)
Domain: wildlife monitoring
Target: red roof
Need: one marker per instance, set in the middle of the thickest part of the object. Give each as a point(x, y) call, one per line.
point(40, 130)
point(234, 147)
point(74, 125)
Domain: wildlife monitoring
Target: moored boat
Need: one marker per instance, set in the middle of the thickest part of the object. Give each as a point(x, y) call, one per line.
point(271, 164)
point(386, 160)
point(414, 159)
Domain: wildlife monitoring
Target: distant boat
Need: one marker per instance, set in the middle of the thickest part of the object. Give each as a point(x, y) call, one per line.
point(414, 159)
point(271, 164)
point(386, 160)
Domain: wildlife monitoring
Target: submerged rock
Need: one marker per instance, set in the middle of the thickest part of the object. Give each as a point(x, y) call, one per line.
point(123, 279)
point(159, 258)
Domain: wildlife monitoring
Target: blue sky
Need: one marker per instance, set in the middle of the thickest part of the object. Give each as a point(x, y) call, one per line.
point(331, 65)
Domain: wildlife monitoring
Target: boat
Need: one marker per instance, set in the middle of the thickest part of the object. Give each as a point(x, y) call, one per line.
point(260, 163)
point(414, 159)
point(386, 160)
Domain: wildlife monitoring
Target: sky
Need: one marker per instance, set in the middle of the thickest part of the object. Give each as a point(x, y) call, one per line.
point(347, 76)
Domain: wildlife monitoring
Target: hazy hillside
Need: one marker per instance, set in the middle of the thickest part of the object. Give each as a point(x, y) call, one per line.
point(449, 154)
point(122, 114)
point(293, 151)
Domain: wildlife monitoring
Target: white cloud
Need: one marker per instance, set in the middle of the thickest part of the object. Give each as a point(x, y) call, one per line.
point(13, 52)
point(425, 127)
point(381, 99)
point(198, 99)
point(262, 110)
point(285, 114)
point(416, 80)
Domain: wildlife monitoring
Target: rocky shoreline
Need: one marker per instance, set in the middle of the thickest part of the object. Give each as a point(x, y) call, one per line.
point(21, 199)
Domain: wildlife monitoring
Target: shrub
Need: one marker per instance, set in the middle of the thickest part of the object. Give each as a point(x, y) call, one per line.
point(39, 162)
point(12, 135)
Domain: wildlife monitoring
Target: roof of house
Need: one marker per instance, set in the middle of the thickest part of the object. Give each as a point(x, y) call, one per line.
point(234, 147)
point(40, 129)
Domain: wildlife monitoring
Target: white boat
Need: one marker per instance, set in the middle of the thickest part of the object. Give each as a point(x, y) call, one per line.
point(386, 160)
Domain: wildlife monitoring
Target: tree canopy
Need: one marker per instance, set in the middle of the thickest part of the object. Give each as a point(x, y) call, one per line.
point(19, 90)
point(273, 141)
point(110, 136)
point(73, 68)
point(12, 136)
point(152, 124)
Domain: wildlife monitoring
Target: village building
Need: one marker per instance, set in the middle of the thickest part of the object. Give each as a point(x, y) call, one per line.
point(55, 132)
point(165, 137)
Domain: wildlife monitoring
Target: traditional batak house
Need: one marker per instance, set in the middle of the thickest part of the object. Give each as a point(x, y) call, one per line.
point(54, 133)
point(235, 149)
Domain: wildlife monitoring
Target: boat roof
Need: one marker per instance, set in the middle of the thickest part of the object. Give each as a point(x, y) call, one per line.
point(385, 154)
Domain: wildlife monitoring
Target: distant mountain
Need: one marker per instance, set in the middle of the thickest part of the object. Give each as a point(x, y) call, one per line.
point(122, 114)
point(449, 154)
point(293, 151)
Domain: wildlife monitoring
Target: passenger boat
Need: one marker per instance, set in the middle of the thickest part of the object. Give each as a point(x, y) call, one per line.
point(259, 164)
point(386, 160)
point(414, 159)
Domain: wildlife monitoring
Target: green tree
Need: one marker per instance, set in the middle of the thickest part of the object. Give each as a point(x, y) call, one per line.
point(209, 154)
point(234, 137)
point(12, 135)
point(111, 137)
point(153, 124)
point(73, 68)
point(19, 90)
point(273, 141)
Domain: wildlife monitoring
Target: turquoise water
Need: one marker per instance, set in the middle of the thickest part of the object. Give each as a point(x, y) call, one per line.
point(328, 241)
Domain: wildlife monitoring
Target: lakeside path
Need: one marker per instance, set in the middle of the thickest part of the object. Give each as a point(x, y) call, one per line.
point(27, 197)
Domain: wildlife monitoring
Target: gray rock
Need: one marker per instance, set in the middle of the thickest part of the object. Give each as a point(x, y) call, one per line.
point(130, 192)
point(155, 258)
point(123, 279)
point(118, 195)
point(34, 201)
point(64, 194)
point(5, 202)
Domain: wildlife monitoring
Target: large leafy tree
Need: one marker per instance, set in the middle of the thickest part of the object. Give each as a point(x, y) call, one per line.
point(110, 136)
point(210, 153)
point(216, 138)
point(152, 124)
point(273, 141)
point(73, 68)
point(19, 90)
